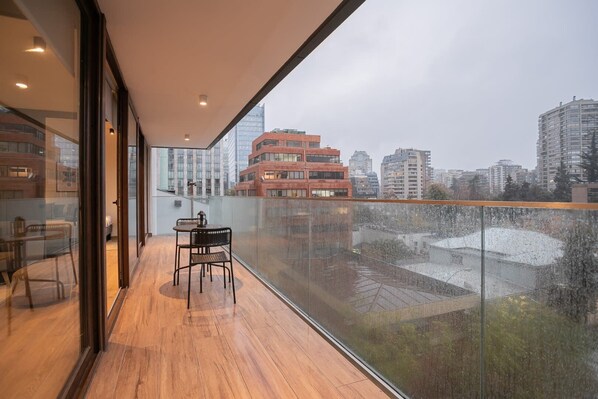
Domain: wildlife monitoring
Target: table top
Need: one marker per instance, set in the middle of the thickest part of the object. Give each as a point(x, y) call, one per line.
point(33, 236)
point(187, 227)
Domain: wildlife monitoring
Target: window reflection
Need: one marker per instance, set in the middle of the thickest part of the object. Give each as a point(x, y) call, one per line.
point(39, 197)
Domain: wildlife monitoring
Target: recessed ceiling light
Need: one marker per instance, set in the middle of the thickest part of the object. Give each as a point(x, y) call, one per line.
point(22, 82)
point(203, 100)
point(39, 45)
point(112, 131)
point(187, 137)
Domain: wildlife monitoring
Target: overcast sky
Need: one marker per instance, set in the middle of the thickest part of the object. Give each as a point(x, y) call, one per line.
point(464, 79)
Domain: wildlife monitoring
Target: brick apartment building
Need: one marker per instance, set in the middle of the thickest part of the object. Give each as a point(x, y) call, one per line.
point(290, 163)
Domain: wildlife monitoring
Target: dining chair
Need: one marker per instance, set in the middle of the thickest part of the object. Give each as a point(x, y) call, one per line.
point(7, 268)
point(207, 239)
point(181, 245)
point(58, 242)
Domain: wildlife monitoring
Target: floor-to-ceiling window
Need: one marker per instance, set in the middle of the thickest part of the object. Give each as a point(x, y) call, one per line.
point(41, 337)
point(132, 188)
point(112, 133)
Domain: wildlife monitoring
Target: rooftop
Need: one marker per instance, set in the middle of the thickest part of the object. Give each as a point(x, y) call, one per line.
point(519, 246)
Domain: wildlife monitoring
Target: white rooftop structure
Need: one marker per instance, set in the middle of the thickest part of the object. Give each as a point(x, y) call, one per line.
point(513, 245)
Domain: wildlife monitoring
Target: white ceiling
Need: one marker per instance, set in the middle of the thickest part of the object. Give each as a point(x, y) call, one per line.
point(171, 52)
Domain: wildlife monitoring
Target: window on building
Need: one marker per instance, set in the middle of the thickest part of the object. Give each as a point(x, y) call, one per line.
point(323, 158)
point(325, 175)
point(294, 143)
point(293, 193)
point(283, 174)
point(332, 192)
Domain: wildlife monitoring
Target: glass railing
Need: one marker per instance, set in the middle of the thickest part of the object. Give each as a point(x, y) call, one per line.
point(169, 208)
point(459, 300)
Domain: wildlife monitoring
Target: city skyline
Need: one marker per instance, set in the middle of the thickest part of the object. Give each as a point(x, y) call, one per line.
point(467, 82)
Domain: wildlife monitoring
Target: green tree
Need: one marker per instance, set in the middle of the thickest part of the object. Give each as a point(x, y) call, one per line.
point(511, 190)
point(438, 192)
point(389, 251)
point(524, 193)
point(562, 191)
point(577, 297)
point(589, 161)
point(537, 193)
point(531, 351)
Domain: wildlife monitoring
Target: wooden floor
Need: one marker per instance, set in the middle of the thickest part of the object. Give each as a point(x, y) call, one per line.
point(257, 348)
point(39, 347)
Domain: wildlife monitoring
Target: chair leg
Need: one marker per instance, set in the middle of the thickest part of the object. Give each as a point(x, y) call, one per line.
point(74, 270)
point(8, 283)
point(189, 288)
point(201, 278)
point(27, 287)
point(57, 277)
point(232, 276)
point(176, 266)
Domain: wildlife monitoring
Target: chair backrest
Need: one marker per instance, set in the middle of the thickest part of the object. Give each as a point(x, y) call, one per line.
point(57, 240)
point(212, 237)
point(54, 230)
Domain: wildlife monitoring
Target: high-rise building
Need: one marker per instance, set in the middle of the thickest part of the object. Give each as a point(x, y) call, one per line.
point(191, 172)
point(290, 163)
point(363, 178)
point(406, 174)
point(447, 177)
point(360, 163)
point(564, 133)
point(238, 142)
point(499, 172)
point(365, 185)
point(471, 185)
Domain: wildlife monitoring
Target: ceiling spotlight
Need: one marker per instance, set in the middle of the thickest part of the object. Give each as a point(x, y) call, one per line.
point(39, 45)
point(112, 131)
point(187, 137)
point(203, 100)
point(22, 82)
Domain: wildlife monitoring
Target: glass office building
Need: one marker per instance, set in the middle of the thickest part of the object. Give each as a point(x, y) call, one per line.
point(239, 142)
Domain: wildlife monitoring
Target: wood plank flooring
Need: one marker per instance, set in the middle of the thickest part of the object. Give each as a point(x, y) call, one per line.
point(257, 348)
point(39, 347)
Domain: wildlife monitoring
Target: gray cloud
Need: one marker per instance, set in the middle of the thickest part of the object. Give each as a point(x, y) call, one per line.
point(464, 79)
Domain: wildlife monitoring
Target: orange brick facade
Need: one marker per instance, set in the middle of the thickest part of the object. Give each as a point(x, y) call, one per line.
point(286, 164)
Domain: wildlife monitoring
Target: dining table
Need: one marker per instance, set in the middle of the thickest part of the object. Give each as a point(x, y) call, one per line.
point(188, 227)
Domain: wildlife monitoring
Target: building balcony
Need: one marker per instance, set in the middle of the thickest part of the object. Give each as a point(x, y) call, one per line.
point(216, 349)
point(457, 300)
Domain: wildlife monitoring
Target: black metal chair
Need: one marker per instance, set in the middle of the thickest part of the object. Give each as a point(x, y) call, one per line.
point(207, 239)
point(59, 242)
point(181, 245)
point(7, 267)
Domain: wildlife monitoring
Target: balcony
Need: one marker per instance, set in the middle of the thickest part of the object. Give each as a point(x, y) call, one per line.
point(256, 348)
point(458, 300)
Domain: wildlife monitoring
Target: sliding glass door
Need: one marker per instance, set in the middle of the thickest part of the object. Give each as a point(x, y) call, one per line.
point(41, 337)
